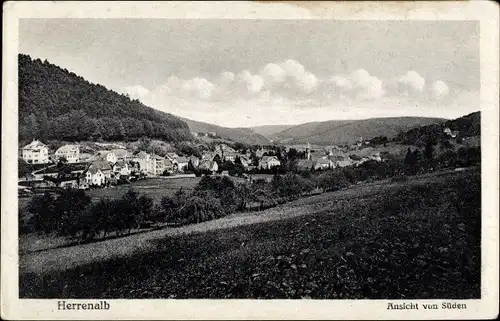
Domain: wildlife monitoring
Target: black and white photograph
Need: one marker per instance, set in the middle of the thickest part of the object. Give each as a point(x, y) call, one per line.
point(255, 159)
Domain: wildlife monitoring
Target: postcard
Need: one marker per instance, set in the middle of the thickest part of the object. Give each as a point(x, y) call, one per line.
point(250, 160)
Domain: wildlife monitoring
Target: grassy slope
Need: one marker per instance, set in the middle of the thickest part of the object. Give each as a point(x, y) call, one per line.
point(269, 130)
point(339, 132)
point(417, 239)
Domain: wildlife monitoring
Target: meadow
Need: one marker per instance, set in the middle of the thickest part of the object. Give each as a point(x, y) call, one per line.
point(155, 188)
point(397, 240)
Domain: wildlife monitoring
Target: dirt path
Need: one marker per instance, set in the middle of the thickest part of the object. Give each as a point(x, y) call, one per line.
point(63, 258)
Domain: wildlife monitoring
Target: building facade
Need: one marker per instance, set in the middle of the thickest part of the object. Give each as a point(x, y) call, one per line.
point(70, 152)
point(35, 152)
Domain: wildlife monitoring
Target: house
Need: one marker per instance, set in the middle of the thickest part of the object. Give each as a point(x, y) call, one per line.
point(195, 161)
point(157, 165)
point(121, 155)
point(268, 162)
point(208, 165)
point(95, 177)
point(104, 155)
point(85, 157)
point(171, 156)
point(245, 161)
point(260, 153)
point(50, 171)
point(323, 163)
point(79, 182)
point(144, 161)
point(168, 165)
point(181, 163)
point(451, 133)
point(134, 168)
point(207, 156)
point(305, 164)
point(121, 168)
point(70, 152)
point(344, 163)
point(103, 166)
point(229, 156)
point(35, 152)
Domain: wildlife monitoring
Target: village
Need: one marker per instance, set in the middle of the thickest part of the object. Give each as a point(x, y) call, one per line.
point(68, 166)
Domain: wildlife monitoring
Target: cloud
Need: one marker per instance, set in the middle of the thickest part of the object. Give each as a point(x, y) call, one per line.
point(136, 91)
point(196, 87)
point(253, 83)
point(289, 77)
point(272, 74)
point(413, 81)
point(440, 89)
point(341, 82)
point(365, 86)
point(199, 87)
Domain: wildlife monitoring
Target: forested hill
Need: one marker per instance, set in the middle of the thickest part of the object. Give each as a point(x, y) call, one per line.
point(57, 104)
point(467, 126)
point(240, 135)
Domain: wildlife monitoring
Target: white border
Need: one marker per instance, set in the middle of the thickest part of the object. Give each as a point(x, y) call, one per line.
point(486, 12)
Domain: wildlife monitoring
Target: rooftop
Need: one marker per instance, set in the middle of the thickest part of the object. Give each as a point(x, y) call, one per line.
point(36, 144)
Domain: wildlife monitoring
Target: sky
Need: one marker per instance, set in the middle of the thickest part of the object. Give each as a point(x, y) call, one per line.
point(242, 73)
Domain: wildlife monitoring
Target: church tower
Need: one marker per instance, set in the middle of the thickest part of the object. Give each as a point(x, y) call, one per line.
point(308, 151)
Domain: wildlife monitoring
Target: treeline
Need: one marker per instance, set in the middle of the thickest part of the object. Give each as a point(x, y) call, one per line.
point(73, 214)
point(57, 104)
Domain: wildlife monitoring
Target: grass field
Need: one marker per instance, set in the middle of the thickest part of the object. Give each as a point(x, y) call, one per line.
point(414, 239)
point(155, 188)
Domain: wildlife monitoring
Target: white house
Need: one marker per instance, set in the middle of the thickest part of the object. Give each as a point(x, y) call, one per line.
point(121, 168)
point(269, 162)
point(144, 160)
point(121, 154)
point(104, 155)
point(70, 152)
point(181, 162)
point(157, 165)
point(35, 153)
point(209, 165)
point(95, 176)
point(229, 156)
point(102, 166)
point(195, 161)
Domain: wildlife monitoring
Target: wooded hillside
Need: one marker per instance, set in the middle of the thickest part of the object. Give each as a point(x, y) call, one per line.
point(467, 126)
point(57, 104)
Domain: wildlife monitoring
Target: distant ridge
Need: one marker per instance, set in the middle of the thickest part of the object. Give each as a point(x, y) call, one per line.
point(269, 130)
point(240, 135)
point(348, 131)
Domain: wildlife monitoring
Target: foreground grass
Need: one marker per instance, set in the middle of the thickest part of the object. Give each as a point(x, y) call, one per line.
point(415, 241)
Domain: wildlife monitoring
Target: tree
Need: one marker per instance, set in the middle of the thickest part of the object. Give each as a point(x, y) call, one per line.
point(32, 130)
point(67, 208)
point(23, 168)
point(429, 150)
point(44, 129)
point(42, 208)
